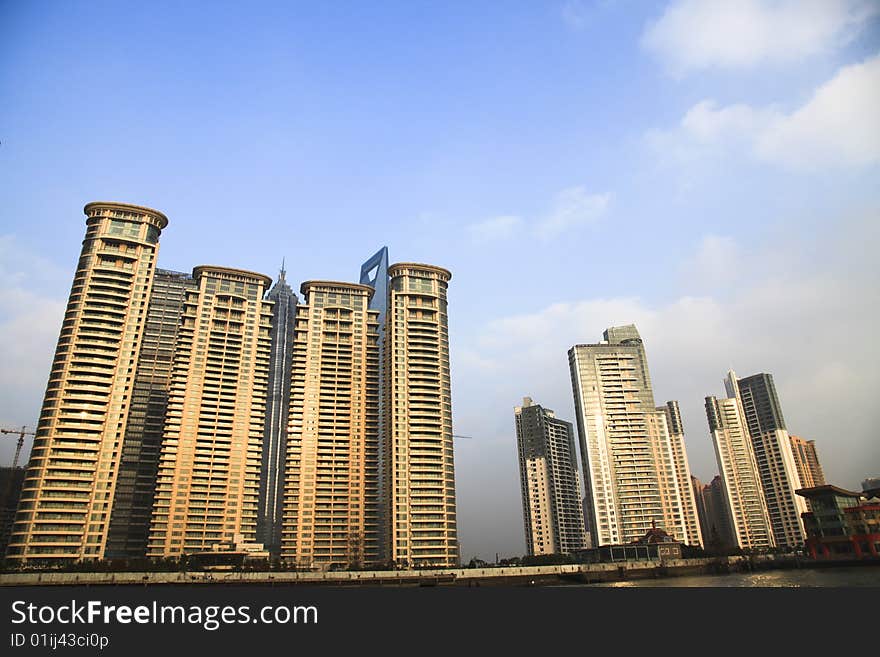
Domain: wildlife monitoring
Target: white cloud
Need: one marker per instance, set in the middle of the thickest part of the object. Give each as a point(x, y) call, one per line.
point(572, 207)
point(495, 228)
point(29, 324)
point(837, 127)
point(700, 34)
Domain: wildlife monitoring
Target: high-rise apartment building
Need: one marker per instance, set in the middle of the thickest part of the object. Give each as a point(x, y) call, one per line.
point(271, 502)
point(745, 505)
point(552, 512)
point(331, 497)
point(208, 481)
point(773, 455)
point(807, 462)
point(693, 535)
point(628, 459)
point(139, 460)
point(71, 481)
point(714, 521)
point(422, 527)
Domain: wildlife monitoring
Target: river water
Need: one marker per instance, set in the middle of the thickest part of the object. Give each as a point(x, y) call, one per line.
point(844, 576)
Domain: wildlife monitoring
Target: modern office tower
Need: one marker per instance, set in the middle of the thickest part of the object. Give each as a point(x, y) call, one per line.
point(624, 441)
point(744, 501)
point(139, 461)
point(374, 272)
point(418, 419)
point(773, 454)
point(70, 484)
point(331, 490)
point(271, 503)
point(693, 535)
point(552, 511)
point(207, 486)
point(807, 462)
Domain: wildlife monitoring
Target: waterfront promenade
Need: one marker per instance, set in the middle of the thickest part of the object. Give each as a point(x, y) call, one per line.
point(513, 575)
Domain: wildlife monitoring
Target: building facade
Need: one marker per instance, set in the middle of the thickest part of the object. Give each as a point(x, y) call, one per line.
point(331, 495)
point(139, 460)
point(627, 456)
point(70, 486)
point(207, 487)
point(374, 272)
point(552, 512)
point(422, 527)
point(693, 535)
point(271, 502)
point(842, 524)
point(806, 460)
point(745, 506)
point(773, 455)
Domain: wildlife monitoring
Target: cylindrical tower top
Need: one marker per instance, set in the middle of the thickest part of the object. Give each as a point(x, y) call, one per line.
point(397, 269)
point(229, 272)
point(127, 207)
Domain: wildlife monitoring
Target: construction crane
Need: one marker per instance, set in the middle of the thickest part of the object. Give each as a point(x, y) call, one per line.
point(455, 435)
point(21, 434)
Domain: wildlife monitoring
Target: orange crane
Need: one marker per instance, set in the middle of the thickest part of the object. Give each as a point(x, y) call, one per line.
point(21, 434)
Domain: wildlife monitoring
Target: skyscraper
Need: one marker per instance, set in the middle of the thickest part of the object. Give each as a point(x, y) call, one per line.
point(374, 272)
point(139, 461)
point(628, 460)
point(745, 506)
point(773, 455)
point(807, 462)
point(693, 535)
point(418, 419)
point(331, 495)
point(552, 512)
point(71, 481)
point(271, 503)
point(208, 481)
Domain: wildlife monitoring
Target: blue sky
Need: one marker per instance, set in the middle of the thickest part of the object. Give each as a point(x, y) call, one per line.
point(706, 170)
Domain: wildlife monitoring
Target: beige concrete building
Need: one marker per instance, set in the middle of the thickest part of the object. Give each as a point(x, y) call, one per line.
point(627, 454)
point(552, 513)
point(806, 461)
point(70, 484)
point(693, 535)
point(208, 480)
point(746, 507)
point(671, 496)
point(331, 490)
point(418, 424)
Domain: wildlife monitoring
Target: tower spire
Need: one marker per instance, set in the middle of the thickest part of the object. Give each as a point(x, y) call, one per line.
point(281, 275)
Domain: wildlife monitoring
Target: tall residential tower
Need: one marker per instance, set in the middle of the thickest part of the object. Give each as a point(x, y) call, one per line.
point(422, 527)
point(552, 514)
point(209, 471)
point(331, 495)
point(773, 455)
point(745, 505)
point(70, 487)
point(628, 458)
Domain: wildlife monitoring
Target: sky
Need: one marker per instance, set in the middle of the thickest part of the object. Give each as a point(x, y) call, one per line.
point(706, 170)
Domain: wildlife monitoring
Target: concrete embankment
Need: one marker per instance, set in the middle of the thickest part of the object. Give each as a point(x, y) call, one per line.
point(505, 576)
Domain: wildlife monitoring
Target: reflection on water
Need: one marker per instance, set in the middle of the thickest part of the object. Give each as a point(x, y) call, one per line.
point(840, 576)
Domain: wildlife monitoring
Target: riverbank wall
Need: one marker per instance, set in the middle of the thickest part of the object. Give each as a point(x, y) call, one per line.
point(493, 576)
